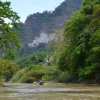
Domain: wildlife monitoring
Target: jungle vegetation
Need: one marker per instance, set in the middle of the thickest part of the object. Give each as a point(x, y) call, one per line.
point(9, 40)
point(81, 56)
point(74, 56)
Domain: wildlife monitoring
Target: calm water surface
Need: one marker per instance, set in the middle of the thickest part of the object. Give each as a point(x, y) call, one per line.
point(49, 91)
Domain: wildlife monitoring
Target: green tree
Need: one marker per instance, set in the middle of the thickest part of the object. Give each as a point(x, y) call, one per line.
point(82, 55)
point(7, 69)
point(8, 37)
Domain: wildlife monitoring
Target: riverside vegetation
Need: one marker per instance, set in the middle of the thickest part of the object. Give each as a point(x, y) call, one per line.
point(73, 57)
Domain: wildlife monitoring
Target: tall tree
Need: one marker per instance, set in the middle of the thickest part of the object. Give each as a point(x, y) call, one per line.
point(9, 39)
point(82, 56)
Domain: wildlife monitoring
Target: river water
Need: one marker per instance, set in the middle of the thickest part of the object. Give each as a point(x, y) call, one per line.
point(49, 91)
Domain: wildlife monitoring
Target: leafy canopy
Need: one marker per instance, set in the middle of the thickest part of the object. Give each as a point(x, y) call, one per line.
point(8, 37)
point(82, 54)
point(7, 69)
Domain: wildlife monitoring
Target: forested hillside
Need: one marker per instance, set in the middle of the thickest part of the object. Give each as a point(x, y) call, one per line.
point(81, 56)
point(47, 21)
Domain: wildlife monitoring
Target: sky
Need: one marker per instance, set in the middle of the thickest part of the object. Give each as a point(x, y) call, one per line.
point(26, 7)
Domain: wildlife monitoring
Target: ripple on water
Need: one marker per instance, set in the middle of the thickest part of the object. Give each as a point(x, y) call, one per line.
point(49, 92)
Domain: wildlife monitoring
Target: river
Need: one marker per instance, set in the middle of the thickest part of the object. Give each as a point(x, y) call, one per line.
point(49, 91)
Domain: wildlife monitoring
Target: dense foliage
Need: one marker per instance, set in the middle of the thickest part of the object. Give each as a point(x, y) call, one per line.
point(33, 73)
point(33, 59)
point(9, 41)
point(8, 37)
point(7, 69)
point(81, 56)
point(77, 51)
point(36, 66)
point(47, 21)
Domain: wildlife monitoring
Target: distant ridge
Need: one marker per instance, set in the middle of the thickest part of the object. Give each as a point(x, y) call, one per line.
point(46, 22)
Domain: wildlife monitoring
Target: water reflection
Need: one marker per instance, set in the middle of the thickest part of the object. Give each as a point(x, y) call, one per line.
point(49, 92)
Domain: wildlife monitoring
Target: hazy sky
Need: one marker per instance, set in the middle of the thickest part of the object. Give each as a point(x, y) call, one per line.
point(26, 7)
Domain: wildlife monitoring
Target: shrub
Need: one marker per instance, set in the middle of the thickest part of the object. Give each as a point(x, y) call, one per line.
point(46, 78)
point(17, 75)
point(27, 79)
point(51, 73)
point(31, 76)
point(64, 77)
point(36, 73)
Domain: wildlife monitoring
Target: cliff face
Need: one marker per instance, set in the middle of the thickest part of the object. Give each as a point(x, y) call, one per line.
point(47, 21)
